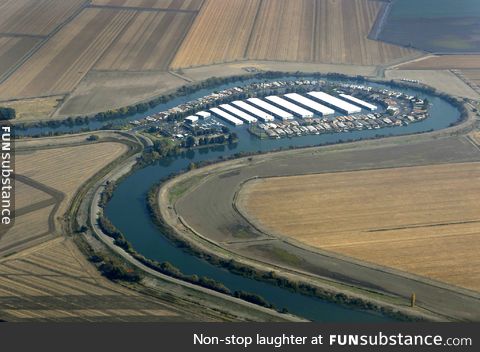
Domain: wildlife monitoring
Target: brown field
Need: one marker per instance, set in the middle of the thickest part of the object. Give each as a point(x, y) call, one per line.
point(39, 17)
point(53, 176)
point(443, 80)
point(65, 169)
point(26, 195)
point(12, 50)
point(219, 34)
point(65, 59)
point(53, 282)
point(472, 75)
point(32, 228)
point(154, 4)
point(149, 43)
point(284, 31)
point(34, 109)
point(323, 31)
point(444, 62)
point(424, 220)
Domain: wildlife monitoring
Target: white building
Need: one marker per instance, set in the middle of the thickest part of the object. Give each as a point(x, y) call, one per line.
point(321, 109)
point(192, 120)
point(261, 115)
point(304, 113)
point(227, 117)
point(203, 114)
point(239, 113)
point(271, 108)
point(359, 102)
point(336, 103)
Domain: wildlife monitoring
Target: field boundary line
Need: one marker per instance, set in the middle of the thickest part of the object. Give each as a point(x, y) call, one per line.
point(182, 39)
point(39, 45)
point(110, 46)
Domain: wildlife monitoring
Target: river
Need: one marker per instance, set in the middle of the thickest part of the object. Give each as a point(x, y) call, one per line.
point(128, 211)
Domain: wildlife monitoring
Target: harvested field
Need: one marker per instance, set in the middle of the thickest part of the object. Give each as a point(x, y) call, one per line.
point(149, 43)
point(53, 282)
point(37, 17)
point(27, 228)
point(284, 31)
point(322, 31)
point(215, 36)
point(424, 220)
point(443, 80)
point(12, 50)
point(342, 28)
point(34, 109)
point(153, 4)
point(26, 195)
point(65, 169)
point(472, 75)
point(64, 60)
point(444, 62)
point(47, 180)
point(103, 90)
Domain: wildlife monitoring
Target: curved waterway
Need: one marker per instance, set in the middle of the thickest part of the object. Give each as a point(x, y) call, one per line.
point(128, 210)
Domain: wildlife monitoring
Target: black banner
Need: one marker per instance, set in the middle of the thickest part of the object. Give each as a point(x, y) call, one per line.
point(213, 337)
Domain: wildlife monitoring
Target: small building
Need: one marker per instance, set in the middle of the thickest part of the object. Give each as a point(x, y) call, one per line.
point(203, 114)
point(191, 120)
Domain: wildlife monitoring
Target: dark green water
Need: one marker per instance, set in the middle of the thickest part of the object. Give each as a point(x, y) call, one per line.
point(127, 210)
point(445, 26)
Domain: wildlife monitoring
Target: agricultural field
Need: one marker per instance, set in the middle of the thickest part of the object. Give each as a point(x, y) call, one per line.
point(149, 42)
point(78, 164)
point(444, 62)
point(36, 17)
point(53, 282)
point(473, 76)
point(12, 50)
point(284, 31)
point(34, 109)
point(423, 220)
point(63, 61)
point(46, 182)
point(191, 5)
point(215, 36)
point(322, 31)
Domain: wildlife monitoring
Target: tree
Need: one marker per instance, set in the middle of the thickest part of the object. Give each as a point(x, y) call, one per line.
point(190, 142)
point(7, 113)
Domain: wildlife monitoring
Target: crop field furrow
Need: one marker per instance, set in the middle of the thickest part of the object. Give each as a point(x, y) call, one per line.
point(92, 53)
point(39, 17)
point(215, 36)
point(423, 219)
point(283, 32)
point(66, 58)
point(149, 43)
point(154, 4)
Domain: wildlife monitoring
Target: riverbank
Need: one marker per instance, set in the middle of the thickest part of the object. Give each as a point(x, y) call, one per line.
point(232, 309)
point(210, 247)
